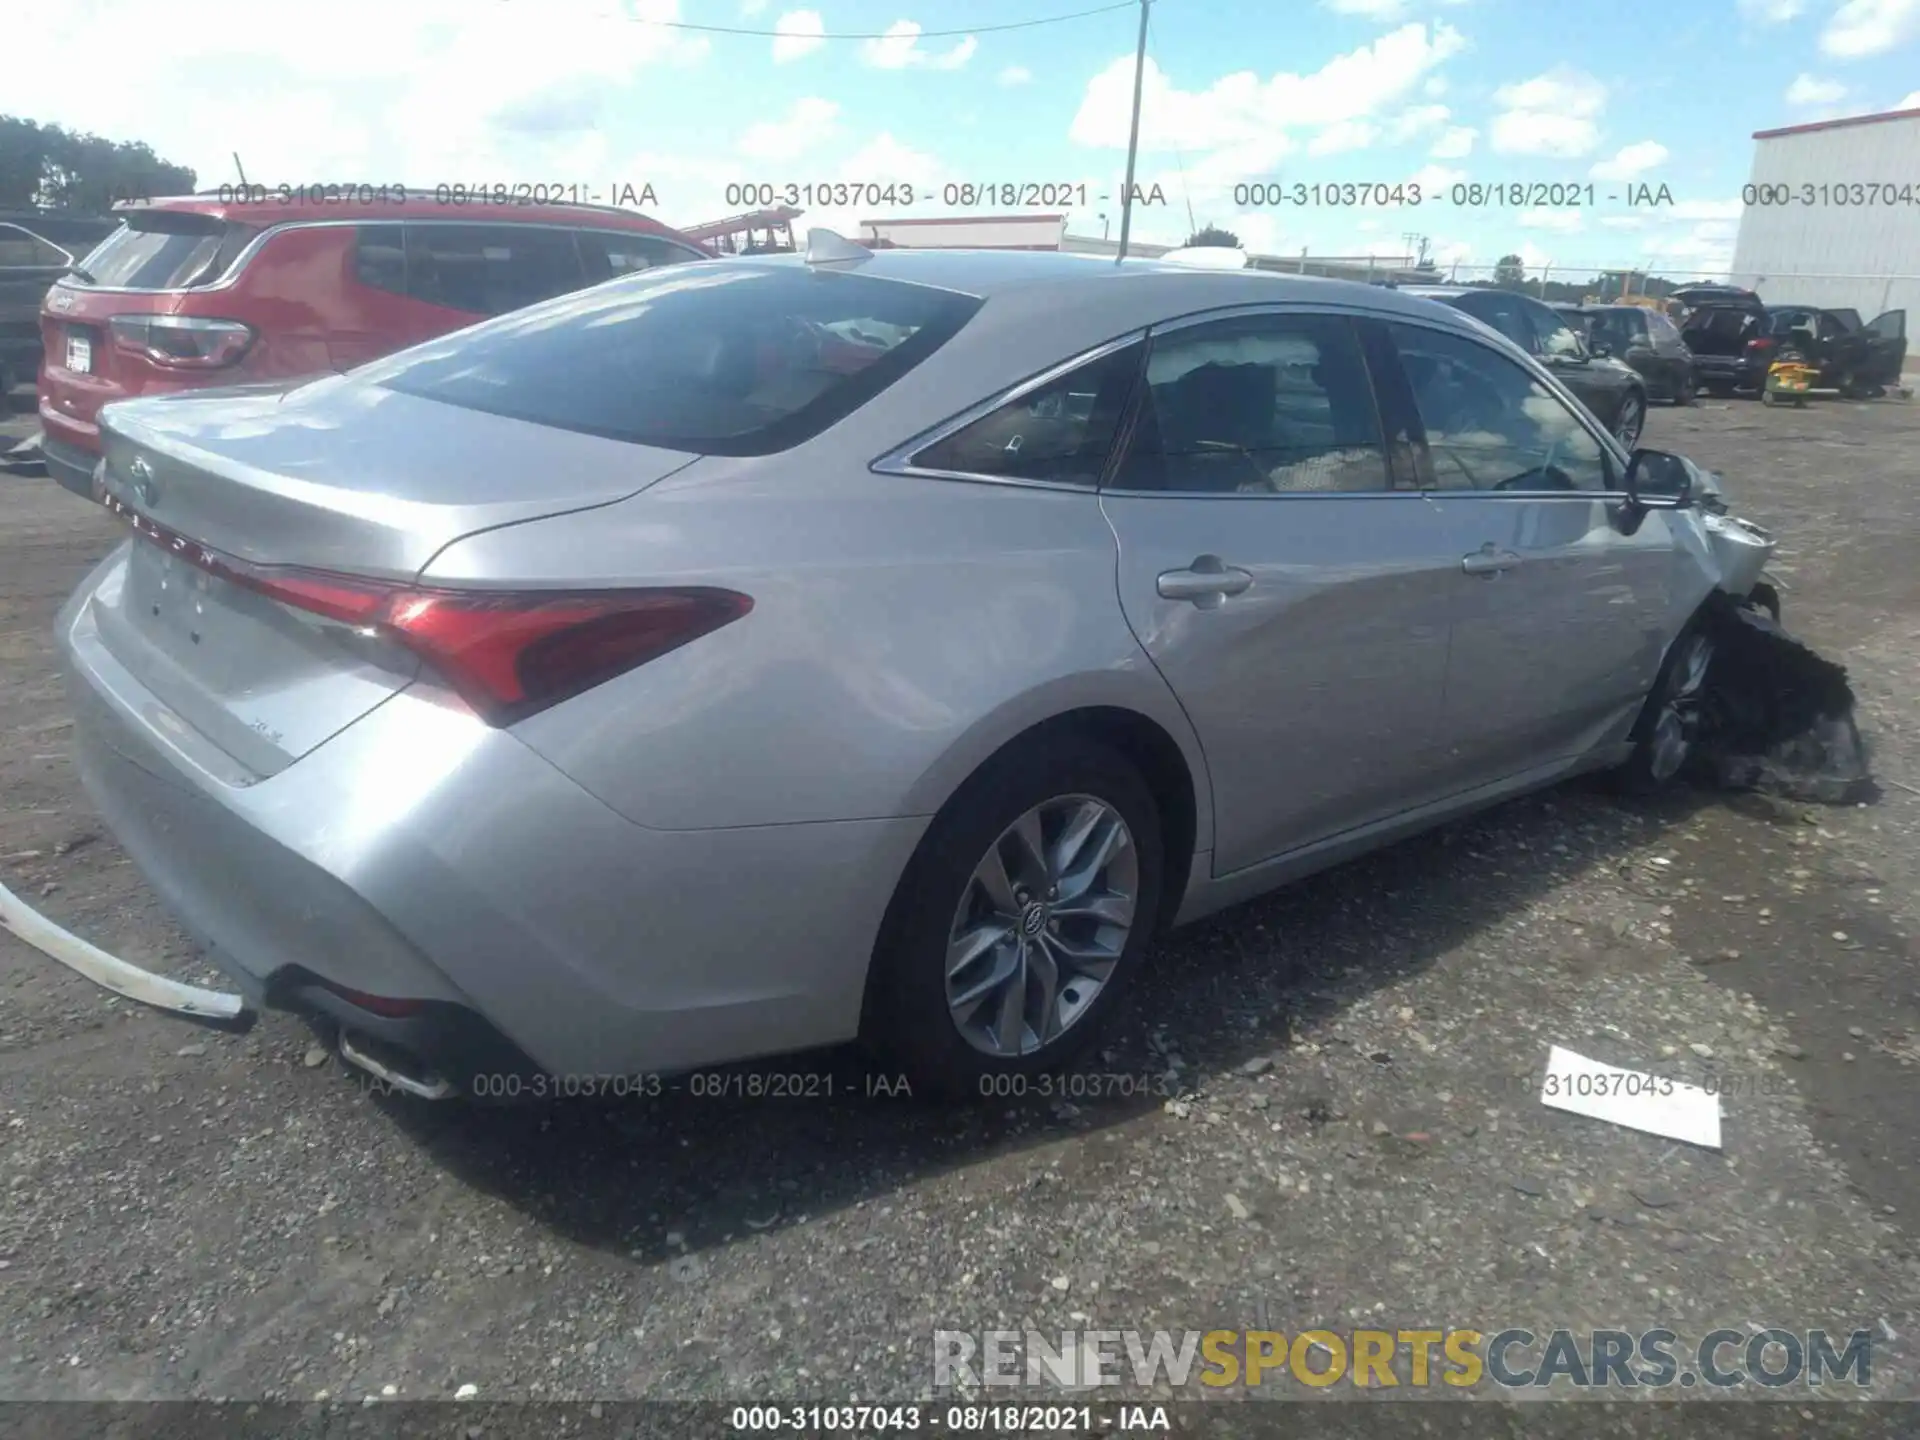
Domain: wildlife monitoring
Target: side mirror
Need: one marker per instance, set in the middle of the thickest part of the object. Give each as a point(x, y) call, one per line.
point(1657, 480)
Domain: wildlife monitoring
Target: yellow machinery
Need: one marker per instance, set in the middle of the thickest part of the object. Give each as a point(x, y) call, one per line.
point(1789, 378)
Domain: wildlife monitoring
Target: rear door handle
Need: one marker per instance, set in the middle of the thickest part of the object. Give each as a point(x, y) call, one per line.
point(1209, 578)
point(1488, 561)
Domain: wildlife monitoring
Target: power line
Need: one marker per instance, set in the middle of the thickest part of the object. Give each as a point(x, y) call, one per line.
point(887, 34)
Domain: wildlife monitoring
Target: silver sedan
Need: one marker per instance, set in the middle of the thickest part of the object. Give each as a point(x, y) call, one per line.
point(758, 654)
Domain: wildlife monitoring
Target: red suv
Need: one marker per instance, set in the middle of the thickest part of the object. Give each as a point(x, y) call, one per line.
point(199, 291)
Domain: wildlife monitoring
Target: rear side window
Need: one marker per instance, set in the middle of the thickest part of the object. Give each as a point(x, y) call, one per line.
point(1504, 312)
point(1060, 431)
point(166, 250)
point(380, 258)
point(490, 269)
point(711, 359)
point(609, 254)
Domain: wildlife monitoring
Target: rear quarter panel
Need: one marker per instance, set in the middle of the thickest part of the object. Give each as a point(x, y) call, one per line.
point(903, 630)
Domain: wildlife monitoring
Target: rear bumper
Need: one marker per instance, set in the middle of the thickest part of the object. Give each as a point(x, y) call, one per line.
point(1729, 370)
point(69, 464)
point(421, 855)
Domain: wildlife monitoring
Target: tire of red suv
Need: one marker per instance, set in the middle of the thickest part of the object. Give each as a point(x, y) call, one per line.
point(977, 906)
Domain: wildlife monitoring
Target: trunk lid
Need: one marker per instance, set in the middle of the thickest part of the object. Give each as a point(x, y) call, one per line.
point(336, 475)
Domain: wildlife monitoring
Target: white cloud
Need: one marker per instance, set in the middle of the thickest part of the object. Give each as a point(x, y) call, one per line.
point(1770, 12)
point(1870, 27)
point(803, 128)
point(452, 90)
point(1812, 90)
point(1631, 160)
point(1434, 179)
point(1382, 10)
point(1015, 75)
point(1554, 114)
point(1455, 144)
point(1242, 124)
point(1342, 136)
point(1563, 218)
point(900, 50)
point(799, 34)
point(1911, 102)
point(1414, 122)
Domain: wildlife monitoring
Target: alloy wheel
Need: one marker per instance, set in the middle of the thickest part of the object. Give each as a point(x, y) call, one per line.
point(1041, 925)
point(1679, 720)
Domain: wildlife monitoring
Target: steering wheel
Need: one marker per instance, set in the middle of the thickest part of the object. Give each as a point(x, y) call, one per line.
point(1539, 477)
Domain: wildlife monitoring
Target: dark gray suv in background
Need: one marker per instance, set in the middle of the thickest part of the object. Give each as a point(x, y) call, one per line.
point(1611, 390)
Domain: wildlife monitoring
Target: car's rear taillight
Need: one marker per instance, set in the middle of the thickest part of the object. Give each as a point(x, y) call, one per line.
point(1762, 344)
point(182, 342)
point(509, 653)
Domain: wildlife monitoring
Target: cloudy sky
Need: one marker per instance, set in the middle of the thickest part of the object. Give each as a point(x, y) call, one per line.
point(601, 93)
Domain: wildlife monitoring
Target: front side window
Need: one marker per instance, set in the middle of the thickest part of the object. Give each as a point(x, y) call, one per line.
point(1490, 425)
point(1060, 432)
point(1260, 405)
point(489, 269)
point(711, 359)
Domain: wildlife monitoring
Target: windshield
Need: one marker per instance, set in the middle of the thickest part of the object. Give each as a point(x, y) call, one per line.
point(720, 359)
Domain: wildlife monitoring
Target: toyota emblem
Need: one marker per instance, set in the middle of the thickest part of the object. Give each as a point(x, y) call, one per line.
point(141, 473)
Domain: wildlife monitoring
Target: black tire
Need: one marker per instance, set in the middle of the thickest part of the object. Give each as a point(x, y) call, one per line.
point(1644, 772)
point(1683, 395)
point(907, 1021)
point(1848, 386)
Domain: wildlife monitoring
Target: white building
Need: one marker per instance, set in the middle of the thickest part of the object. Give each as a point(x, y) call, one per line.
point(1832, 215)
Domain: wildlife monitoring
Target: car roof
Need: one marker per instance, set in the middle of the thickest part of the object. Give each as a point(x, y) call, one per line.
point(414, 205)
point(1130, 293)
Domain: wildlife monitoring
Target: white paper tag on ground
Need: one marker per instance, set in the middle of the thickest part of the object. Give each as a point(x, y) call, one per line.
point(1632, 1098)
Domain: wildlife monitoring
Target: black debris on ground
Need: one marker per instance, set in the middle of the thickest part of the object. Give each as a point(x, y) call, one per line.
point(1776, 716)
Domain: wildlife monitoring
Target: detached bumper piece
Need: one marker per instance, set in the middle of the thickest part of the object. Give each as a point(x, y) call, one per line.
point(216, 1008)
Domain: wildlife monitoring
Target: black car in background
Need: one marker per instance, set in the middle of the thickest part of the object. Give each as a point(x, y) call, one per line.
point(1615, 394)
point(36, 247)
point(1735, 336)
point(1645, 340)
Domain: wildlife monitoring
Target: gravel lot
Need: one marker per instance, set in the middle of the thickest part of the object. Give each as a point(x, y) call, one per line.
point(1340, 1126)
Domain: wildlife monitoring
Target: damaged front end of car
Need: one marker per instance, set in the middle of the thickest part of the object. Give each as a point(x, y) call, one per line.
point(1770, 713)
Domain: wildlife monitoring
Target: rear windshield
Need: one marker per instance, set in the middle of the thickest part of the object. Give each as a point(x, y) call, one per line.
point(715, 358)
point(165, 251)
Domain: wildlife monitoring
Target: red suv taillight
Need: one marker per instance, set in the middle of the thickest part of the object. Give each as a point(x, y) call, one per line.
point(182, 342)
point(1764, 343)
point(509, 653)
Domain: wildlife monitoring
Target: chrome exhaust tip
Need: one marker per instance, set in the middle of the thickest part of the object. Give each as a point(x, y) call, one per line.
point(429, 1086)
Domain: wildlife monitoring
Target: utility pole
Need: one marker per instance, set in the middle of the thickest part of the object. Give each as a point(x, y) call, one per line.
point(1133, 135)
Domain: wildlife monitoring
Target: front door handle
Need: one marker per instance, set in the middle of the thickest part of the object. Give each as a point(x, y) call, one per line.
point(1206, 582)
point(1488, 561)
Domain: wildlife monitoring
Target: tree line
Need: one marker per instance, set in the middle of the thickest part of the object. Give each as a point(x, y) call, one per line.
point(50, 167)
